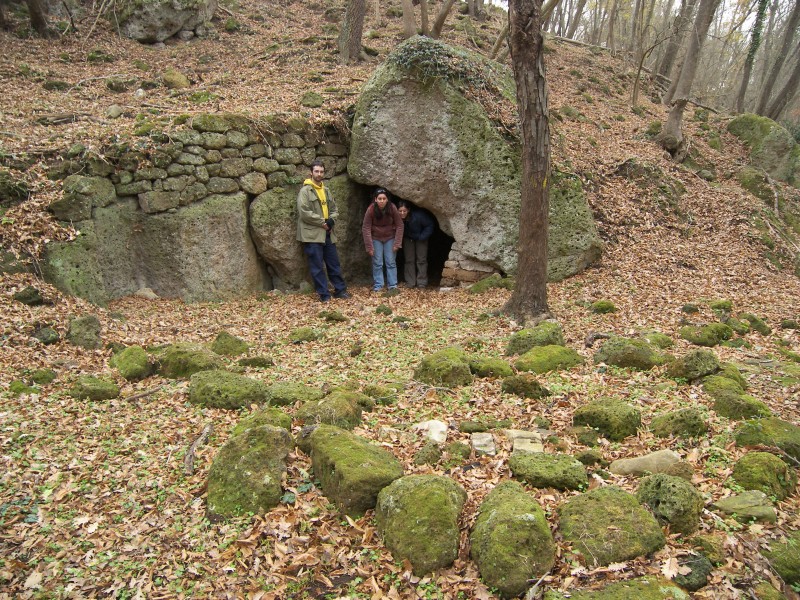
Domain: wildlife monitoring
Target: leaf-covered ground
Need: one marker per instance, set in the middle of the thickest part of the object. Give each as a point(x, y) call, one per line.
point(94, 498)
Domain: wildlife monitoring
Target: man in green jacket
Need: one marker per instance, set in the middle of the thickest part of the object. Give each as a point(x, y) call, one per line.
point(316, 217)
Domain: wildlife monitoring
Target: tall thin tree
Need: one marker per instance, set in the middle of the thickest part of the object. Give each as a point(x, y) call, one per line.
point(528, 301)
point(780, 57)
point(755, 43)
point(351, 31)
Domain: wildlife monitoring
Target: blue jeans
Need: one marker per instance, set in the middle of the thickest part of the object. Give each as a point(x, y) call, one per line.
point(383, 255)
point(322, 257)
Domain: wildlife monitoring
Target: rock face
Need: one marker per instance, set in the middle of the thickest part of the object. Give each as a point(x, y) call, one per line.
point(157, 20)
point(447, 156)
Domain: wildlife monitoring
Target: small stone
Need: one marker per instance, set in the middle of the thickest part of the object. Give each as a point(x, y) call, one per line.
point(483, 443)
point(433, 430)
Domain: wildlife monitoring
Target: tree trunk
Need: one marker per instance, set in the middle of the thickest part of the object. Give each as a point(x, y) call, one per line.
point(352, 29)
point(528, 301)
point(785, 95)
point(423, 18)
point(679, 28)
point(376, 12)
point(612, 19)
point(501, 37)
point(438, 25)
point(575, 19)
point(783, 52)
point(409, 20)
point(755, 42)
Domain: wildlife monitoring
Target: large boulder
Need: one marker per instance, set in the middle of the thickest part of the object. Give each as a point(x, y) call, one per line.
point(631, 353)
point(784, 557)
point(542, 470)
point(766, 472)
point(673, 500)
point(613, 418)
point(772, 147)
point(156, 20)
point(449, 157)
point(221, 389)
point(770, 432)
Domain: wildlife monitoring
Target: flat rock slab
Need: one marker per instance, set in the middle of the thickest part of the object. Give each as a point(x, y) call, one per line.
point(657, 462)
point(748, 506)
point(483, 443)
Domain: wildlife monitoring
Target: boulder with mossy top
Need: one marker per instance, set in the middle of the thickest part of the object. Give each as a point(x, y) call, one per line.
point(641, 588)
point(304, 334)
point(493, 281)
point(694, 365)
point(673, 501)
point(614, 418)
point(430, 454)
point(772, 147)
point(630, 353)
point(739, 327)
point(246, 474)
point(765, 472)
point(659, 461)
point(524, 385)
point(19, 387)
point(256, 362)
point(602, 307)
point(383, 394)
point(448, 367)
point(543, 359)
point(543, 470)
point(733, 373)
point(157, 20)
point(756, 323)
point(712, 334)
point(730, 401)
point(29, 296)
point(351, 469)
point(287, 393)
point(546, 333)
point(489, 366)
point(274, 417)
point(84, 332)
point(221, 389)
point(749, 506)
point(608, 525)
point(339, 408)
point(183, 359)
point(682, 423)
point(43, 376)
point(229, 345)
point(657, 339)
point(511, 542)
point(89, 387)
point(45, 334)
point(418, 518)
point(770, 431)
point(80, 195)
point(783, 555)
point(710, 545)
point(133, 363)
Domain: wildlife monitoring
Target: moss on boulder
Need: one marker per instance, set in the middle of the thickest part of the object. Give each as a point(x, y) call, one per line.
point(602, 307)
point(672, 500)
point(772, 147)
point(756, 323)
point(288, 393)
point(784, 557)
point(683, 423)
point(448, 367)
point(543, 470)
point(418, 518)
point(84, 332)
point(88, 387)
point(543, 359)
point(657, 339)
point(733, 373)
point(494, 281)
point(608, 525)
point(221, 389)
point(766, 472)
point(524, 385)
point(694, 365)
point(229, 345)
point(133, 363)
point(339, 408)
point(630, 353)
point(304, 334)
point(641, 588)
point(484, 366)
point(613, 418)
point(245, 476)
point(546, 333)
point(43, 376)
point(712, 334)
point(274, 417)
point(511, 542)
point(184, 359)
point(383, 394)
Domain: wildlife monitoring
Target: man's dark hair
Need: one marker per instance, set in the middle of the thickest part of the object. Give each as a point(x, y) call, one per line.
point(316, 163)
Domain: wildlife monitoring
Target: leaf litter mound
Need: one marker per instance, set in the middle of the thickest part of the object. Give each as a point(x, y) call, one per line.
point(95, 498)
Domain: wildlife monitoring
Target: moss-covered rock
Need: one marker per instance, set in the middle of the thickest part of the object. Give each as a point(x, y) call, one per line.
point(694, 365)
point(246, 474)
point(304, 334)
point(43, 376)
point(614, 418)
point(712, 334)
point(608, 525)
point(85, 332)
point(494, 281)
point(546, 333)
point(657, 339)
point(229, 345)
point(339, 408)
point(524, 385)
point(739, 406)
point(784, 557)
point(672, 500)
point(274, 417)
point(487, 366)
point(133, 363)
point(630, 353)
point(29, 296)
point(641, 588)
point(766, 591)
point(288, 393)
point(88, 387)
point(542, 470)
point(221, 389)
point(710, 545)
point(19, 387)
point(700, 568)
point(716, 385)
point(257, 362)
point(756, 323)
point(511, 542)
point(771, 146)
point(184, 359)
point(766, 472)
point(46, 335)
point(683, 423)
point(448, 367)
point(351, 470)
point(732, 372)
point(418, 518)
point(543, 359)
point(429, 454)
point(770, 432)
point(602, 307)
point(750, 505)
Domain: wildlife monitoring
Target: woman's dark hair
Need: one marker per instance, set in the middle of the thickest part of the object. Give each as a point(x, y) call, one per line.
point(404, 204)
point(377, 211)
point(378, 192)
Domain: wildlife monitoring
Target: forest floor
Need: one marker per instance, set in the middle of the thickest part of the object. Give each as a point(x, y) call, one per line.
point(94, 499)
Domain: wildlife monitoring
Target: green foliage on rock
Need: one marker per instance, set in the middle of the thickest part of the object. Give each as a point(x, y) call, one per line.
point(339, 408)
point(524, 385)
point(641, 588)
point(258, 362)
point(84, 332)
point(602, 307)
point(771, 146)
point(133, 363)
point(88, 387)
point(614, 418)
point(630, 353)
point(672, 500)
point(488, 366)
point(683, 423)
point(709, 335)
point(608, 525)
point(770, 432)
point(304, 334)
point(264, 416)
point(287, 393)
point(221, 389)
point(657, 339)
point(511, 542)
point(542, 470)
point(29, 296)
point(184, 359)
point(43, 376)
point(229, 345)
point(784, 557)
point(494, 281)
point(732, 372)
point(429, 454)
point(19, 387)
point(694, 365)
point(175, 80)
point(246, 474)
point(543, 359)
point(765, 472)
point(418, 518)
point(449, 367)
point(730, 401)
point(756, 323)
point(546, 333)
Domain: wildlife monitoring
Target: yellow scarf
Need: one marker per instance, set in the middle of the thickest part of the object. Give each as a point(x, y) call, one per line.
point(323, 199)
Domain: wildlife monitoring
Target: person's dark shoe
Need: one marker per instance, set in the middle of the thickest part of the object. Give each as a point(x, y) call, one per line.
point(342, 295)
point(324, 299)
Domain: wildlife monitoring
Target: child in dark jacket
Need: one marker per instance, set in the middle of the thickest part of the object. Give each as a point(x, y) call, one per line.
point(419, 227)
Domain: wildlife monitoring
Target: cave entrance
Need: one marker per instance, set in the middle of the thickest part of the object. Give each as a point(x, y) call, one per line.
point(439, 246)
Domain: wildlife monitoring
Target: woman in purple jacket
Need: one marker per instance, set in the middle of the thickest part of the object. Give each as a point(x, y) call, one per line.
point(383, 237)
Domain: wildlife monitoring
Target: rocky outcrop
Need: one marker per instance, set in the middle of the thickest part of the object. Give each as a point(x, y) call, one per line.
point(157, 20)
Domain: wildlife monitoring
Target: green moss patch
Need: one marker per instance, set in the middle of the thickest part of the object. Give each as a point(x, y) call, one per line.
point(543, 359)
